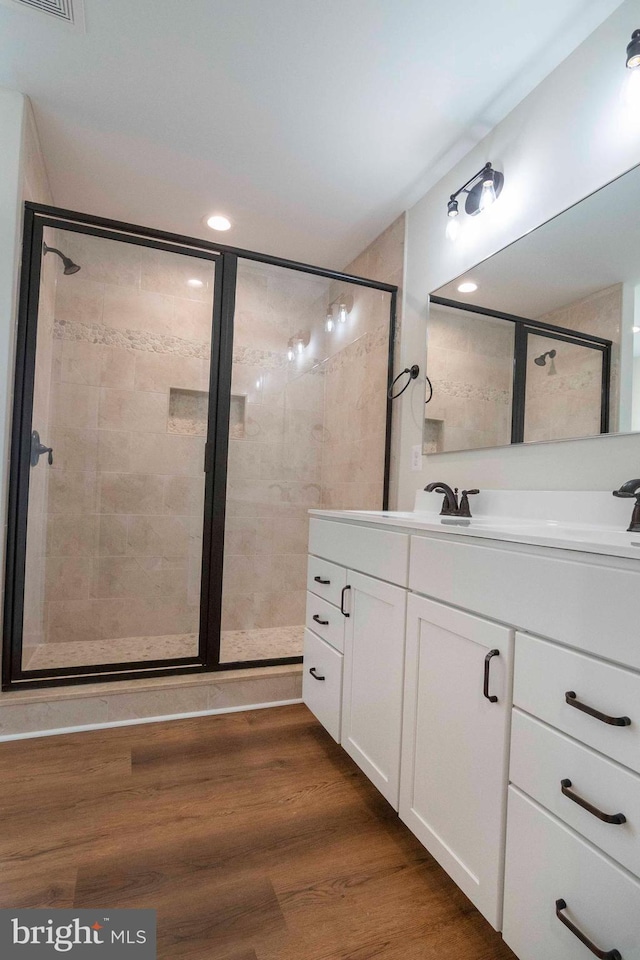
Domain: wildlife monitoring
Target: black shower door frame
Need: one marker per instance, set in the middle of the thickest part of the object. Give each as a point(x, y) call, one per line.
point(523, 328)
point(225, 258)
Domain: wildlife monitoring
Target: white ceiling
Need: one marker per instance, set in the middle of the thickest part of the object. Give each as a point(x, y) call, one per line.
point(311, 123)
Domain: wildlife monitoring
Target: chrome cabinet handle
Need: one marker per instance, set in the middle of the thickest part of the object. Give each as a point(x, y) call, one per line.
point(316, 676)
point(602, 954)
point(570, 697)
point(565, 787)
point(324, 623)
point(487, 668)
point(342, 609)
point(323, 582)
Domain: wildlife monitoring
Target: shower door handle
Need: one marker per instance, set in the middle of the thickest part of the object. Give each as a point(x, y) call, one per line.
point(38, 449)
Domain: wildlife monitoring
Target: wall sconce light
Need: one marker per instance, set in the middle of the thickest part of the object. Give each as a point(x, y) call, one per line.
point(482, 190)
point(328, 324)
point(633, 51)
point(296, 345)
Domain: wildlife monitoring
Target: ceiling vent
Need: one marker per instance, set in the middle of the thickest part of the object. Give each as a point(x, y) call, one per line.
point(68, 10)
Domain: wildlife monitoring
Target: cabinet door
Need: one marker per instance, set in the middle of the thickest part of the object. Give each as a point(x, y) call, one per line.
point(373, 671)
point(455, 743)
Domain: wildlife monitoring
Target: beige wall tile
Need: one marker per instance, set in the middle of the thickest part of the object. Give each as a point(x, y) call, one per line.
point(75, 405)
point(80, 362)
point(72, 536)
point(112, 535)
point(74, 449)
point(158, 372)
point(67, 578)
point(183, 496)
point(71, 492)
point(133, 411)
point(114, 450)
point(72, 620)
point(117, 367)
point(79, 300)
point(130, 493)
point(173, 455)
point(52, 715)
point(159, 536)
point(129, 308)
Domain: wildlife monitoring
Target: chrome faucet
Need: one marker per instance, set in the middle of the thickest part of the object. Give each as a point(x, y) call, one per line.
point(631, 489)
point(450, 505)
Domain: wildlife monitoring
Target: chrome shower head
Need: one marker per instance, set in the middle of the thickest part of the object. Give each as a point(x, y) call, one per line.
point(69, 266)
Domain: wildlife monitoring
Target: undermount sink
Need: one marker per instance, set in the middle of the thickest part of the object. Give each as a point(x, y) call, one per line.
point(589, 521)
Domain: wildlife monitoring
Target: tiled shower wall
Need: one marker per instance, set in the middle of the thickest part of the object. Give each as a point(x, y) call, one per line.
point(567, 404)
point(277, 434)
point(355, 378)
point(125, 492)
point(470, 364)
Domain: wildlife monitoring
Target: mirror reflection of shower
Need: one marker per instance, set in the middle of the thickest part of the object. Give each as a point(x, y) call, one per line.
point(69, 266)
point(542, 361)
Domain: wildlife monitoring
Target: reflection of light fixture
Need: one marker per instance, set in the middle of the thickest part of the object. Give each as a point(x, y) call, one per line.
point(635, 329)
point(482, 190)
point(194, 282)
point(344, 303)
point(218, 222)
point(467, 287)
point(633, 51)
point(296, 345)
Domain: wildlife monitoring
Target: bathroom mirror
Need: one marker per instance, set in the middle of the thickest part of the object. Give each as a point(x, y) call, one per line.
point(547, 345)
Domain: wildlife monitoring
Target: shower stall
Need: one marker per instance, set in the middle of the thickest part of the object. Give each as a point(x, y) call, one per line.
point(179, 407)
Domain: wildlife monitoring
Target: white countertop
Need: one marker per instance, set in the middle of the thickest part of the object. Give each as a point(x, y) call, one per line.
point(560, 519)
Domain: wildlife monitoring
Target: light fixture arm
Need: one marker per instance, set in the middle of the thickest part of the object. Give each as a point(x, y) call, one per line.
point(476, 176)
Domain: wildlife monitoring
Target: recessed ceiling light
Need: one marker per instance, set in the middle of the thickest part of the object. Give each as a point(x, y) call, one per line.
point(467, 287)
point(218, 222)
point(194, 282)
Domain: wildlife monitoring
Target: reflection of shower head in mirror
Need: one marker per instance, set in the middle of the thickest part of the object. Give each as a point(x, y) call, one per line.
point(542, 359)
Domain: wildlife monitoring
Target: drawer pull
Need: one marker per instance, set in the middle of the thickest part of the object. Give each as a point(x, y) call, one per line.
point(312, 671)
point(323, 623)
point(565, 786)
point(487, 667)
point(570, 697)
point(325, 583)
point(342, 609)
point(603, 954)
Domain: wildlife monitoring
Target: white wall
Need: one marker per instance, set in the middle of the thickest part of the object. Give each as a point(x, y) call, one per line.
point(12, 112)
point(569, 137)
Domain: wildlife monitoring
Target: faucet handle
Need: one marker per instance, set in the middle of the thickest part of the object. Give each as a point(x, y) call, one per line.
point(464, 510)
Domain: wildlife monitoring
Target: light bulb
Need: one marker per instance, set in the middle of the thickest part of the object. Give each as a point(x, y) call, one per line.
point(290, 354)
point(218, 222)
point(343, 313)
point(488, 195)
point(467, 287)
point(453, 229)
point(631, 91)
point(328, 325)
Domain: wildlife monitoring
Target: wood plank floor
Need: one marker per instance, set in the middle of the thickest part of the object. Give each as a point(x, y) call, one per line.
point(253, 835)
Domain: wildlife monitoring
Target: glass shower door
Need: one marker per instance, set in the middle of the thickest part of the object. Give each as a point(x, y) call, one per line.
point(112, 461)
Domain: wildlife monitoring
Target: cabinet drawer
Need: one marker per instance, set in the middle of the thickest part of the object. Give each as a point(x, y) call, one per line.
point(559, 594)
point(326, 620)
point(380, 553)
point(547, 862)
point(326, 579)
point(322, 696)
point(541, 759)
point(545, 673)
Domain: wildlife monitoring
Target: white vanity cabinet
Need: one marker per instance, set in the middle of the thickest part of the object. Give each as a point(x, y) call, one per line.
point(457, 704)
point(499, 683)
point(357, 580)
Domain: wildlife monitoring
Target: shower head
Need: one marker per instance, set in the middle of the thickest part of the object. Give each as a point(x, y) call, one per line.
point(542, 360)
point(69, 266)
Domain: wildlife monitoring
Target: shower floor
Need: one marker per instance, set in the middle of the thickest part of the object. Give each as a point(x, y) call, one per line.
point(259, 644)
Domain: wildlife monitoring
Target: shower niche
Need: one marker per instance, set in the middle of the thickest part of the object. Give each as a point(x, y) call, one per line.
point(165, 530)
